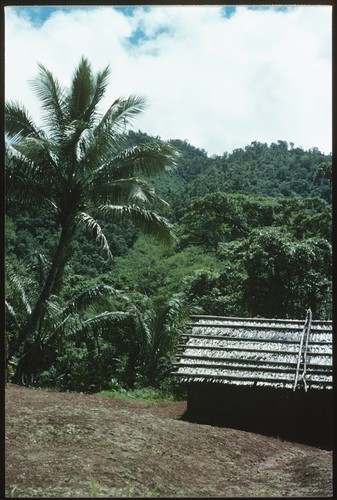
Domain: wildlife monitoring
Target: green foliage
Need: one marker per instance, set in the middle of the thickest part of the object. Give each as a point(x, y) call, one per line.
point(268, 274)
point(219, 217)
point(218, 292)
point(160, 328)
point(307, 218)
point(72, 348)
point(324, 171)
point(253, 231)
point(258, 169)
point(142, 395)
point(85, 366)
point(285, 277)
point(76, 162)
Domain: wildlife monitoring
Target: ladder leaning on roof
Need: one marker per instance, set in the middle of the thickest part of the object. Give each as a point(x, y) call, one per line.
point(302, 354)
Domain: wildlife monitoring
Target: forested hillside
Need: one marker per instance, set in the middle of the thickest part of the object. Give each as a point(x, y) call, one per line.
point(253, 238)
point(276, 170)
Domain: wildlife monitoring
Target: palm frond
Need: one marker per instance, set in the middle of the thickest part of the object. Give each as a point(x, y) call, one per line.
point(23, 155)
point(176, 307)
point(81, 149)
point(91, 296)
point(160, 332)
point(147, 221)
point(18, 123)
point(52, 97)
point(96, 231)
point(39, 266)
point(139, 190)
point(129, 190)
point(105, 321)
point(149, 159)
point(141, 319)
point(25, 182)
point(18, 285)
point(91, 150)
point(146, 159)
point(81, 91)
point(53, 308)
point(43, 153)
point(99, 88)
point(25, 191)
point(84, 144)
point(71, 133)
point(10, 310)
point(54, 322)
point(121, 114)
point(33, 158)
point(57, 327)
point(16, 159)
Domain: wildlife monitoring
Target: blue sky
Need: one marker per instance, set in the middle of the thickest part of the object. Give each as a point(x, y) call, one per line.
point(39, 14)
point(219, 77)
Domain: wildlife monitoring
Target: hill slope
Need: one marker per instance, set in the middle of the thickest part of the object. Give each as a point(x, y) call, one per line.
point(77, 445)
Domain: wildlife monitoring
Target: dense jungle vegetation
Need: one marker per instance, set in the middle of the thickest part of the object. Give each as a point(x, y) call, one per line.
point(251, 231)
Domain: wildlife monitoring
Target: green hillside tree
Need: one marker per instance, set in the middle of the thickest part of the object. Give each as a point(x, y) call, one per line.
point(77, 161)
point(286, 276)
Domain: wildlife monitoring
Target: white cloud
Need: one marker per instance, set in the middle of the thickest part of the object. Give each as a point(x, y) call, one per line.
point(218, 82)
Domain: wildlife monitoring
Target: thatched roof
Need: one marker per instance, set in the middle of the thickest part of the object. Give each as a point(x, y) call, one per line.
point(265, 352)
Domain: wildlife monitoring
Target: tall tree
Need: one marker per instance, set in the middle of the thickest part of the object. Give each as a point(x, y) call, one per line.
point(78, 161)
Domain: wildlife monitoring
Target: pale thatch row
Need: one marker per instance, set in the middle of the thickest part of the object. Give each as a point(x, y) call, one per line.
point(257, 352)
point(286, 334)
point(216, 347)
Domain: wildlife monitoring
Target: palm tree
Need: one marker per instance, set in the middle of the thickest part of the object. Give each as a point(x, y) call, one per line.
point(84, 315)
point(159, 328)
point(78, 161)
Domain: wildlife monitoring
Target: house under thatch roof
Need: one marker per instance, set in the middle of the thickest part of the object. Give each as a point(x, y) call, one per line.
point(266, 375)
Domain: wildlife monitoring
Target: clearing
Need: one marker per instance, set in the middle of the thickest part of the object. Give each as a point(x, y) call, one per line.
point(80, 445)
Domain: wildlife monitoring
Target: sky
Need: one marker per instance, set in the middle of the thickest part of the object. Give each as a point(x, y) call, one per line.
point(218, 77)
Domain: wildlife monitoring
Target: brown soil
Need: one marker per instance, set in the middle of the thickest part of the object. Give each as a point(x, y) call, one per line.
point(78, 445)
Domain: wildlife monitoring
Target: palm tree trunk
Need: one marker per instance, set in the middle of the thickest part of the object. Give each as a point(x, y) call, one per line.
point(56, 269)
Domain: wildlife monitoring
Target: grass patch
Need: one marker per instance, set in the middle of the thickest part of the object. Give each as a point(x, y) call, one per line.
point(143, 395)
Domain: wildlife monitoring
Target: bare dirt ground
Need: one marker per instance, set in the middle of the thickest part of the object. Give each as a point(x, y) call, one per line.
point(77, 445)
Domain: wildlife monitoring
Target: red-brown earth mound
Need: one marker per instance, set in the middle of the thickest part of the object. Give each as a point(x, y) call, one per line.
point(78, 445)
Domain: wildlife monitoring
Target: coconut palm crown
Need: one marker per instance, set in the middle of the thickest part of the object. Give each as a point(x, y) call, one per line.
point(77, 161)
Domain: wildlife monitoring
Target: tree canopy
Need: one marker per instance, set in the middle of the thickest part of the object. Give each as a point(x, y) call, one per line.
point(252, 237)
point(78, 161)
